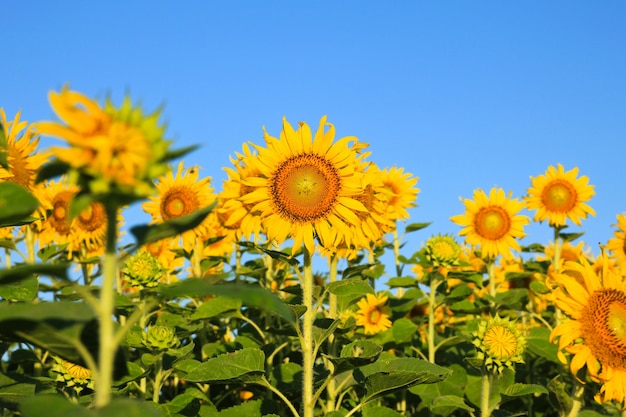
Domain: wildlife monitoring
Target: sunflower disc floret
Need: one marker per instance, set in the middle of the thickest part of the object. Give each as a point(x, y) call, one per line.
point(499, 343)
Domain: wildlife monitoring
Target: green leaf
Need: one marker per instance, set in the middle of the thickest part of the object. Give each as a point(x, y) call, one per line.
point(215, 307)
point(127, 407)
point(354, 287)
point(250, 295)
point(498, 385)
point(247, 409)
point(145, 234)
point(511, 297)
point(453, 386)
point(383, 383)
point(287, 376)
point(23, 289)
point(402, 282)
point(413, 227)
point(178, 153)
point(51, 170)
point(447, 404)
point(16, 203)
point(380, 411)
point(403, 330)
point(21, 272)
point(519, 390)
point(570, 237)
point(354, 270)
point(355, 354)
point(14, 388)
point(243, 365)
point(53, 406)
point(538, 343)
point(459, 293)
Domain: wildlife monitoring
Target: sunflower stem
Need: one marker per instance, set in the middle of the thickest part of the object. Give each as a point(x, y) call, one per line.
point(396, 256)
point(485, 411)
point(558, 246)
point(577, 400)
point(434, 283)
point(308, 350)
point(491, 271)
point(331, 388)
point(107, 346)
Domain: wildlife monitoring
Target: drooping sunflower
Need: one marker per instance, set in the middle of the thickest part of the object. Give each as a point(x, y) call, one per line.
point(115, 148)
point(373, 313)
point(179, 195)
point(306, 186)
point(595, 337)
point(617, 244)
point(492, 223)
point(23, 156)
point(558, 195)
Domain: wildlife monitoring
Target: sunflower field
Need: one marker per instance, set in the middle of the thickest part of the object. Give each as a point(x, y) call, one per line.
point(274, 296)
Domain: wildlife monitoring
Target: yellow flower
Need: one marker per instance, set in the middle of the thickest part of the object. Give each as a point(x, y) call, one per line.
point(558, 195)
point(569, 252)
point(305, 187)
point(442, 250)
point(499, 343)
point(492, 223)
point(112, 147)
point(617, 244)
point(180, 195)
point(373, 314)
point(22, 155)
point(56, 227)
point(402, 192)
point(595, 337)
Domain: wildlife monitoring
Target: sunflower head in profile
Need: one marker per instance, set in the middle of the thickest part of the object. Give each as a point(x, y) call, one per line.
point(22, 154)
point(499, 343)
point(617, 244)
point(304, 186)
point(594, 337)
point(373, 314)
point(559, 195)
point(178, 195)
point(492, 223)
point(72, 377)
point(112, 149)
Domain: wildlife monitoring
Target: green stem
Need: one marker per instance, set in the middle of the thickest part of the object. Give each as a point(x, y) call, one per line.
point(491, 271)
point(107, 346)
point(308, 350)
point(331, 388)
point(434, 283)
point(484, 394)
point(158, 380)
point(577, 400)
point(558, 246)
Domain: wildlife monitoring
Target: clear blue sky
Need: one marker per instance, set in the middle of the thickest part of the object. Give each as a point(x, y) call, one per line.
point(462, 94)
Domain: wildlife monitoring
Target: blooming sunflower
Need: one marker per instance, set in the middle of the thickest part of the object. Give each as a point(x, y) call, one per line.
point(558, 195)
point(617, 244)
point(115, 147)
point(492, 222)
point(56, 227)
point(179, 195)
point(595, 337)
point(23, 156)
point(373, 313)
point(306, 186)
point(402, 190)
point(499, 343)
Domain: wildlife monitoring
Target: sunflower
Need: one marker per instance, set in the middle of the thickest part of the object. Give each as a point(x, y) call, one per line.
point(373, 313)
point(179, 195)
point(499, 343)
point(23, 157)
point(305, 186)
point(402, 190)
point(617, 244)
point(569, 251)
point(56, 227)
point(113, 147)
point(595, 337)
point(492, 223)
point(442, 250)
point(558, 195)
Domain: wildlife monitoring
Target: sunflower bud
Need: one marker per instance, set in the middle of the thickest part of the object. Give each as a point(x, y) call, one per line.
point(499, 343)
point(442, 250)
point(160, 338)
point(72, 376)
point(142, 270)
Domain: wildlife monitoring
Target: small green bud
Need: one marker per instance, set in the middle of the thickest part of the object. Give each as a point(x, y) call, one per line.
point(160, 338)
point(142, 270)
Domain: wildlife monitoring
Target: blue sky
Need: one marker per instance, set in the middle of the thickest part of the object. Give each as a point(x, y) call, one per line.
point(460, 94)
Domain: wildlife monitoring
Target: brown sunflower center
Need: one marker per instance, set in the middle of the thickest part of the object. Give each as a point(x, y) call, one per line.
point(559, 195)
point(500, 341)
point(492, 222)
point(305, 187)
point(179, 202)
point(603, 326)
point(58, 220)
point(92, 218)
point(375, 316)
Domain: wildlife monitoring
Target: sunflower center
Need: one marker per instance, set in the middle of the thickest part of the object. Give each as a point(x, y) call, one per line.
point(374, 316)
point(179, 202)
point(305, 187)
point(443, 250)
point(500, 341)
point(603, 325)
point(559, 195)
point(92, 218)
point(492, 222)
point(58, 220)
